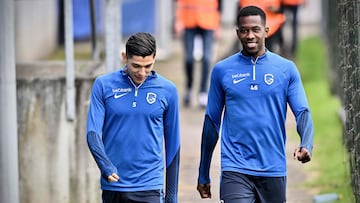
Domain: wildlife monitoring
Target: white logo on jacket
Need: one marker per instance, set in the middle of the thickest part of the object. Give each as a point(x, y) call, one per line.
point(269, 79)
point(151, 97)
point(117, 96)
point(239, 80)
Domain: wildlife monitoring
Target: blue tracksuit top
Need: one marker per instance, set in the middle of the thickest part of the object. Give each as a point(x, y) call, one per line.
point(252, 97)
point(127, 126)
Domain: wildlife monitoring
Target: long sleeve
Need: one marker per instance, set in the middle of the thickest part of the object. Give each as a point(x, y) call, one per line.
point(172, 179)
point(209, 139)
point(211, 126)
point(299, 105)
point(305, 128)
point(172, 147)
point(95, 122)
point(97, 149)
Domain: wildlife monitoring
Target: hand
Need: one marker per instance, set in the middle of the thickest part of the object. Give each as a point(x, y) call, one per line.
point(204, 190)
point(113, 178)
point(302, 154)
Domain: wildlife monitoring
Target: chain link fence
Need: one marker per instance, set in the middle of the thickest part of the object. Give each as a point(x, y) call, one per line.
point(342, 34)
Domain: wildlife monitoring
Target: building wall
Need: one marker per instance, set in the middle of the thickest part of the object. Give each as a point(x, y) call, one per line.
point(55, 164)
point(35, 28)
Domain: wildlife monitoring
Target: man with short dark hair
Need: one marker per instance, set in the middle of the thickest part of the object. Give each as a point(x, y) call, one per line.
point(132, 112)
point(248, 97)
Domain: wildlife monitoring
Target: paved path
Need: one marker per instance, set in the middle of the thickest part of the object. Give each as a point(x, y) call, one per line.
point(191, 127)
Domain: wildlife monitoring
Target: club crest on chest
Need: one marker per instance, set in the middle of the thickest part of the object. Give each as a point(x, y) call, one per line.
point(151, 97)
point(269, 79)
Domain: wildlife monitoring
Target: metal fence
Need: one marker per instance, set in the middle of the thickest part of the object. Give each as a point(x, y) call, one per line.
point(342, 34)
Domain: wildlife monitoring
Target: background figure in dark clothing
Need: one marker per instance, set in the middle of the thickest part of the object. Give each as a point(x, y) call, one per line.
point(197, 18)
point(292, 7)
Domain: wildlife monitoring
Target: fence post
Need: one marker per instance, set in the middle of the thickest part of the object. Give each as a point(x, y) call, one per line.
point(9, 166)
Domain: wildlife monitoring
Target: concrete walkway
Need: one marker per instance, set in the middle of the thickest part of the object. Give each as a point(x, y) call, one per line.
point(191, 127)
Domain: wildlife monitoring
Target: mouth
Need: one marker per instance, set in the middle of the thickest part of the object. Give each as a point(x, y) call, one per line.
point(251, 45)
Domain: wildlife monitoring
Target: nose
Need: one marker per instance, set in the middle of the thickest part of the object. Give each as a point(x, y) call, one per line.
point(142, 72)
point(250, 35)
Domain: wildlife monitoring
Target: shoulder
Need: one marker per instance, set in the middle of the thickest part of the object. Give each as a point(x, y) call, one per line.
point(164, 83)
point(166, 89)
point(228, 62)
point(109, 76)
point(281, 62)
point(109, 79)
point(235, 58)
point(279, 59)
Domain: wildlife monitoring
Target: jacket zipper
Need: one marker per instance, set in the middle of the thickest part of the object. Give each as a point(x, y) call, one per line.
point(134, 104)
point(254, 67)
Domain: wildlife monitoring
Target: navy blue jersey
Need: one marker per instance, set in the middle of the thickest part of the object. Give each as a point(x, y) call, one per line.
point(127, 127)
point(253, 96)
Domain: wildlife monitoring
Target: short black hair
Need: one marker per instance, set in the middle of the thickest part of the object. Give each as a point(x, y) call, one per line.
point(251, 11)
point(141, 44)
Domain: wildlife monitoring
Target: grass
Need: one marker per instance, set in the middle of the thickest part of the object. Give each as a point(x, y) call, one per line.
point(330, 157)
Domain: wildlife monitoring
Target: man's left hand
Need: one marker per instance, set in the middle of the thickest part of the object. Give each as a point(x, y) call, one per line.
point(302, 154)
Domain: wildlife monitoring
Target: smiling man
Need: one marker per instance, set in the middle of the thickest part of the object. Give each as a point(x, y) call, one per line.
point(248, 97)
point(133, 113)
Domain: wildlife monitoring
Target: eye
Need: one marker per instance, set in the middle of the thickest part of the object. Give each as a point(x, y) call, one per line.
point(148, 66)
point(256, 29)
point(136, 65)
point(243, 31)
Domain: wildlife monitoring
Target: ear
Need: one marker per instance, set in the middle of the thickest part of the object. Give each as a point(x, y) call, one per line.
point(267, 30)
point(123, 57)
point(238, 33)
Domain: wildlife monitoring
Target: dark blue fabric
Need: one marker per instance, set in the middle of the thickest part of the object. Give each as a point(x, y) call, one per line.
point(172, 179)
point(153, 196)
point(242, 188)
point(98, 151)
point(207, 41)
point(305, 129)
point(209, 139)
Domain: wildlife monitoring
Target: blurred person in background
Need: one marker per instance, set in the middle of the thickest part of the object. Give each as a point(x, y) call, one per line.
point(133, 113)
point(249, 95)
point(292, 7)
point(197, 18)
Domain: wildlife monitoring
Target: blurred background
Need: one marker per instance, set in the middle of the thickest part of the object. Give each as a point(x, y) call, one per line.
point(52, 50)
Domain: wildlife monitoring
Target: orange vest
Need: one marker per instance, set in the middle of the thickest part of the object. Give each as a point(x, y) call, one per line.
point(273, 20)
point(198, 13)
point(293, 2)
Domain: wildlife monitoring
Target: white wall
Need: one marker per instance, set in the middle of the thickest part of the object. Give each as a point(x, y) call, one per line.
point(35, 29)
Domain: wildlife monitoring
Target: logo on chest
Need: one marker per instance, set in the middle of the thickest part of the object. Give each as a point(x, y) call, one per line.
point(269, 79)
point(151, 97)
point(120, 92)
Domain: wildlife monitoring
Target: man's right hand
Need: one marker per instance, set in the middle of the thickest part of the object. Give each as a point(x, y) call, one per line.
point(113, 178)
point(204, 190)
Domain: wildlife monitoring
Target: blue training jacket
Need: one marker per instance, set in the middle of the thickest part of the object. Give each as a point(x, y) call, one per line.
point(126, 129)
point(253, 96)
